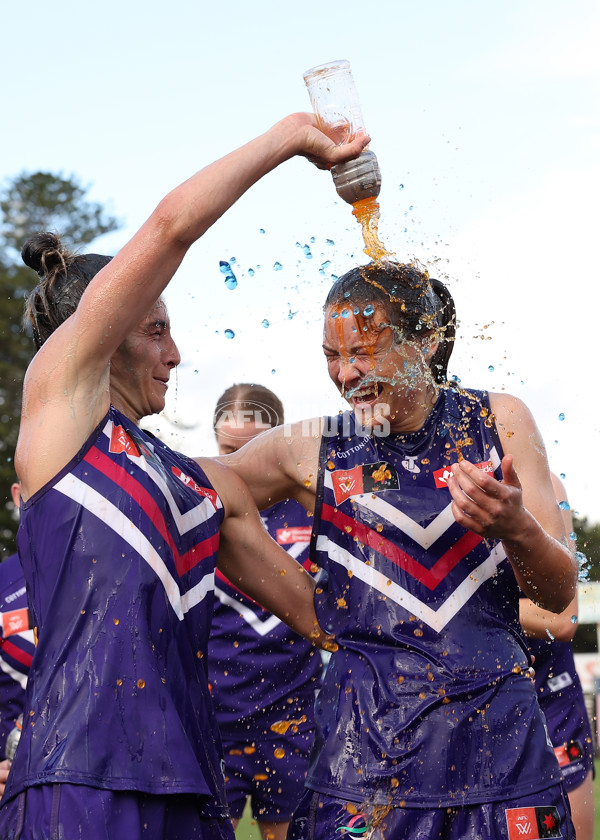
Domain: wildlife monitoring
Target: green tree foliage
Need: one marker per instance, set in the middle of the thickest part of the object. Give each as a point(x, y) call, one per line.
point(588, 547)
point(30, 203)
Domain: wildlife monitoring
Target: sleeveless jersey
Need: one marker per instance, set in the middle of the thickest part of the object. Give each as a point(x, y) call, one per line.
point(426, 701)
point(250, 649)
point(562, 700)
point(16, 645)
point(119, 553)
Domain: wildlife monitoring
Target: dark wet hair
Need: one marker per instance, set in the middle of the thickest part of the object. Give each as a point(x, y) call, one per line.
point(415, 303)
point(64, 276)
point(247, 396)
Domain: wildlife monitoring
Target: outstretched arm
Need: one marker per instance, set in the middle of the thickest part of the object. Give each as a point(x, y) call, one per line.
point(254, 562)
point(66, 390)
point(521, 510)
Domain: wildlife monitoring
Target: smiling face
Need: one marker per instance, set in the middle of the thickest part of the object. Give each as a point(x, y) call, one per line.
point(381, 378)
point(141, 367)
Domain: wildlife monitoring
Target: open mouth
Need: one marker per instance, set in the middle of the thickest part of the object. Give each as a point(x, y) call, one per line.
point(367, 393)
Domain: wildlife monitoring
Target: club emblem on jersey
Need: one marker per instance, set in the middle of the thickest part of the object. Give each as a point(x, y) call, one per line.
point(368, 478)
point(442, 475)
point(189, 482)
point(410, 465)
point(533, 823)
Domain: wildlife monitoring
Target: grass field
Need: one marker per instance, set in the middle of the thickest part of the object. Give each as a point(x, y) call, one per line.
point(248, 830)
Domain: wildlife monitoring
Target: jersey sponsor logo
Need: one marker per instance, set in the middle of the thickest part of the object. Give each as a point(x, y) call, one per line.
point(534, 823)
point(120, 441)
point(189, 482)
point(296, 534)
point(559, 681)
point(16, 621)
point(368, 478)
point(566, 753)
point(442, 475)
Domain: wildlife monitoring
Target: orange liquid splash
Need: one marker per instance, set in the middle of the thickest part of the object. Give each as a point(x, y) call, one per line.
point(366, 212)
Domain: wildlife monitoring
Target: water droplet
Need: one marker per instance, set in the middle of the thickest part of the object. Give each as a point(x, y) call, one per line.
point(273, 371)
point(549, 634)
point(368, 310)
point(262, 230)
point(232, 260)
point(324, 266)
point(455, 378)
point(279, 752)
point(250, 272)
point(491, 368)
point(265, 323)
point(411, 207)
point(277, 266)
point(335, 315)
point(561, 416)
point(229, 334)
point(230, 278)
point(141, 683)
point(290, 313)
point(573, 619)
point(329, 242)
point(573, 536)
point(401, 187)
point(563, 476)
point(345, 313)
point(564, 505)
point(313, 240)
point(356, 310)
point(195, 372)
point(307, 252)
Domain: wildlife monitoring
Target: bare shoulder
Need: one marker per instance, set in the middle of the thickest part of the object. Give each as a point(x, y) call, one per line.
point(515, 423)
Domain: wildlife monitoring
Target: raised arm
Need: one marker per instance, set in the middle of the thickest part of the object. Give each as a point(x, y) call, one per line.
point(521, 510)
point(253, 561)
point(66, 389)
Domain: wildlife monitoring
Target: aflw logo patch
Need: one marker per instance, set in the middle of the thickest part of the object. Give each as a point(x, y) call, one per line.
point(368, 478)
point(533, 823)
point(566, 753)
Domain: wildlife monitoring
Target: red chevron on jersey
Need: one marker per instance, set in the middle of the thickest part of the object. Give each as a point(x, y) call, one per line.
point(533, 823)
point(16, 653)
point(297, 534)
point(428, 577)
point(442, 475)
point(183, 561)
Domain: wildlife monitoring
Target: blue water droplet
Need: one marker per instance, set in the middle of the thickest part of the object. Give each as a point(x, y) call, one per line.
point(368, 310)
point(455, 378)
point(195, 371)
point(273, 371)
point(549, 634)
point(401, 187)
point(262, 230)
point(290, 313)
point(307, 252)
point(561, 416)
point(250, 272)
point(329, 242)
point(232, 260)
point(563, 476)
point(334, 277)
point(411, 207)
point(491, 368)
point(573, 536)
point(573, 619)
point(356, 310)
point(347, 294)
point(229, 334)
point(564, 505)
point(345, 313)
point(265, 323)
point(313, 240)
point(277, 266)
point(230, 278)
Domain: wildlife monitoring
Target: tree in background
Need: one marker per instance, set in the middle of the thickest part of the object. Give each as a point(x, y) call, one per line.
point(30, 203)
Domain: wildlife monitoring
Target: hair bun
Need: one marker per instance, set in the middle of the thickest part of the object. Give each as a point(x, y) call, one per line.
point(43, 252)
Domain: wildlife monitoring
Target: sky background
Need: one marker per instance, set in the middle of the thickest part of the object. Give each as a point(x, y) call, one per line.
point(484, 118)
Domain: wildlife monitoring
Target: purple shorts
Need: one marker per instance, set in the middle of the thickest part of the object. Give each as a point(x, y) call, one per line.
point(270, 771)
point(540, 815)
point(60, 811)
point(571, 736)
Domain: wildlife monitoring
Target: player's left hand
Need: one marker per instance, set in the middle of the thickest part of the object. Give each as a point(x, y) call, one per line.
point(485, 505)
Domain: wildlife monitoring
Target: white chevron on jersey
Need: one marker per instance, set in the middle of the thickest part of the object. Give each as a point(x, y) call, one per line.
point(436, 619)
point(184, 521)
point(424, 536)
point(15, 675)
point(98, 505)
point(262, 627)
